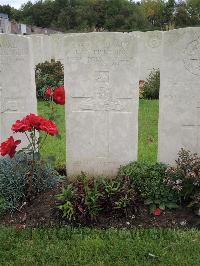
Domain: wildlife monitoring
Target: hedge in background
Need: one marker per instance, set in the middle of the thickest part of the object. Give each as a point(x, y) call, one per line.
point(48, 74)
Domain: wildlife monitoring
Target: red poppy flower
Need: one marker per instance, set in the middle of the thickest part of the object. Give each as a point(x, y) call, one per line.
point(59, 95)
point(49, 127)
point(48, 92)
point(9, 147)
point(157, 212)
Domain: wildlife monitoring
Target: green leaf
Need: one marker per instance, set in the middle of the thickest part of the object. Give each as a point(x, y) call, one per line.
point(58, 136)
point(51, 159)
point(172, 205)
point(162, 206)
point(148, 202)
point(152, 208)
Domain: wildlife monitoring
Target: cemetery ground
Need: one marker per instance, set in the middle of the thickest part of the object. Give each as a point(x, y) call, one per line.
point(135, 240)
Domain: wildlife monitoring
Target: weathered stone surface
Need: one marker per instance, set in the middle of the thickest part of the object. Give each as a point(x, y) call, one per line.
point(57, 42)
point(17, 85)
point(150, 50)
point(179, 119)
point(37, 46)
point(101, 77)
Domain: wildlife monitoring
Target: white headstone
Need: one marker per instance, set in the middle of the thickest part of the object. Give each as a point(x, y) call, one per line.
point(150, 49)
point(179, 119)
point(17, 85)
point(101, 79)
point(57, 41)
point(37, 46)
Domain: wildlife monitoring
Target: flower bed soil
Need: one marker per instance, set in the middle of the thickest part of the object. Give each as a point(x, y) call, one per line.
point(42, 211)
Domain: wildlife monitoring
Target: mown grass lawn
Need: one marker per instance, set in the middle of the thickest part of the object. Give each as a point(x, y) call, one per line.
point(148, 137)
point(67, 246)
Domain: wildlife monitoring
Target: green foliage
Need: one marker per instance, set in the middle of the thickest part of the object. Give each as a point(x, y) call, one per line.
point(14, 179)
point(48, 74)
point(184, 178)
point(148, 180)
point(66, 196)
point(151, 86)
point(108, 15)
point(85, 199)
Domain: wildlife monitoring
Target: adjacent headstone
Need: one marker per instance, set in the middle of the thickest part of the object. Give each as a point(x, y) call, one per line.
point(17, 85)
point(37, 46)
point(47, 48)
point(57, 41)
point(101, 79)
point(150, 49)
point(179, 119)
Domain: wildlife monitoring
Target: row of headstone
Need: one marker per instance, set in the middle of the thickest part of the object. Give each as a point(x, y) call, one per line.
point(102, 71)
point(149, 49)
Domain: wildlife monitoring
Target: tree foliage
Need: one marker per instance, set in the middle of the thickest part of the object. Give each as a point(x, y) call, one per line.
point(108, 15)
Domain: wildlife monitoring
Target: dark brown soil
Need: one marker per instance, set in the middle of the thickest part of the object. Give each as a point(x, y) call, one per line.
point(42, 211)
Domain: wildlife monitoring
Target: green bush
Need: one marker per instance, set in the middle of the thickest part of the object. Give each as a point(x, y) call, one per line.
point(184, 178)
point(148, 180)
point(85, 199)
point(48, 74)
point(14, 175)
point(151, 86)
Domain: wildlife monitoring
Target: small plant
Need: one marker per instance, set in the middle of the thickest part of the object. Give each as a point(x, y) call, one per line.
point(184, 178)
point(85, 199)
point(147, 179)
point(25, 174)
point(66, 196)
point(15, 180)
point(151, 87)
point(48, 74)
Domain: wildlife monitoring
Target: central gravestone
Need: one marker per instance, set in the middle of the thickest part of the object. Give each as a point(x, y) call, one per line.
point(17, 85)
point(101, 78)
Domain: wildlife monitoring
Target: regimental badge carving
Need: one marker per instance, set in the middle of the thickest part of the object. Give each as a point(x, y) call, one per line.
point(155, 40)
point(102, 102)
point(192, 57)
point(102, 76)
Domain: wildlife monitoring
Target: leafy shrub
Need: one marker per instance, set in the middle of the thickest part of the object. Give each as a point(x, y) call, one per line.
point(14, 180)
point(86, 198)
point(184, 178)
point(151, 87)
point(148, 180)
point(48, 74)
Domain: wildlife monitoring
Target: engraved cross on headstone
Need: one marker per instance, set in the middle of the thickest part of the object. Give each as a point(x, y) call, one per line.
point(101, 105)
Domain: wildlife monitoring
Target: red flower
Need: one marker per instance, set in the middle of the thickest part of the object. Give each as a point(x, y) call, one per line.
point(157, 212)
point(48, 92)
point(33, 121)
point(49, 127)
point(27, 123)
point(20, 126)
point(59, 95)
point(9, 147)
